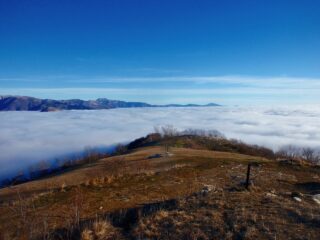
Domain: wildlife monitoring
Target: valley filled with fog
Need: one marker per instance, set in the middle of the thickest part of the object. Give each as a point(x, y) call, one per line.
point(30, 137)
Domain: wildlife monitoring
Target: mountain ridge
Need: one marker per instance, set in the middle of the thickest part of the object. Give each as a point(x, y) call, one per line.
point(26, 103)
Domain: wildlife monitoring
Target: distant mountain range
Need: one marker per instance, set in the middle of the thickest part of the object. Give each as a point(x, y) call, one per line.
point(23, 103)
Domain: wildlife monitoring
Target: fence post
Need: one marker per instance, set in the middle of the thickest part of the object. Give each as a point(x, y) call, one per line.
point(248, 176)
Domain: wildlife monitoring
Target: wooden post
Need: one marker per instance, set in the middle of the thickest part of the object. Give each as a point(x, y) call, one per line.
point(248, 176)
point(166, 148)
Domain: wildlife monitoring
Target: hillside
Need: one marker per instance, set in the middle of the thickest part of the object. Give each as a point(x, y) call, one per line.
point(22, 103)
point(180, 187)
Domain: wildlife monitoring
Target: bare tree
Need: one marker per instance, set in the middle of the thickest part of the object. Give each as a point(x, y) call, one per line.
point(289, 151)
point(169, 131)
point(157, 129)
point(120, 149)
point(90, 154)
point(202, 133)
point(308, 154)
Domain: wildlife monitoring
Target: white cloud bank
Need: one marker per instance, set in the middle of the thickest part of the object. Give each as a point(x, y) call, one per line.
point(29, 137)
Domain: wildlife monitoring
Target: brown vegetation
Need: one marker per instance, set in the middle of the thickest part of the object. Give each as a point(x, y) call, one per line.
point(192, 192)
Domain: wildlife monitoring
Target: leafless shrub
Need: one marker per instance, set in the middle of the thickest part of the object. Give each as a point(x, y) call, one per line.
point(308, 154)
point(120, 149)
point(77, 207)
point(289, 151)
point(100, 230)
point(169, 131)
point(202, 133)
point(292, 152)
point(166, 130)
point(90, 155)
point(87, 234)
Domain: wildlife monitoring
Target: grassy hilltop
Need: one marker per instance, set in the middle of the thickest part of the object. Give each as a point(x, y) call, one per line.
point(176, 187)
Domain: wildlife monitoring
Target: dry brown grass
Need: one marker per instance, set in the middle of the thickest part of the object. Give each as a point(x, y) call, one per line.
point(87, 234)
point(133, 163)
point(232, 216)
point(101, 230)
point(228, 211)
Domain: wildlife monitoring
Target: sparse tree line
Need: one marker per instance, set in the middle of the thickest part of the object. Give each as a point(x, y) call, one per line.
point(44, 168)
point(288, 152)
point(292, 152)
point(90, 154)
point(171, 131)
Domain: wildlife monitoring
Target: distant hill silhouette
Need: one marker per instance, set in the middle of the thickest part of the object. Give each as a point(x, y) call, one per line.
point(24, 103)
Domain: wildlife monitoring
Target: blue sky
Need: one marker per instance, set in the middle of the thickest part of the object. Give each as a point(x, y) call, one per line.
point(230, 52)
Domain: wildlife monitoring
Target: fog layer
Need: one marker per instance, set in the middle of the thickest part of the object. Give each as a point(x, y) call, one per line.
point(29, 137)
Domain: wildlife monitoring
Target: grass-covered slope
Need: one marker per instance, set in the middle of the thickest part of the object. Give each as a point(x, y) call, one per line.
point(189, 192)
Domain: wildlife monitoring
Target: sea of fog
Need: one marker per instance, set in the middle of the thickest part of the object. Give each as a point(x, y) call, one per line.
point(29, 137)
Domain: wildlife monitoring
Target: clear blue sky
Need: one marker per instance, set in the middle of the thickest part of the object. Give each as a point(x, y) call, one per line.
point(199, 51)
